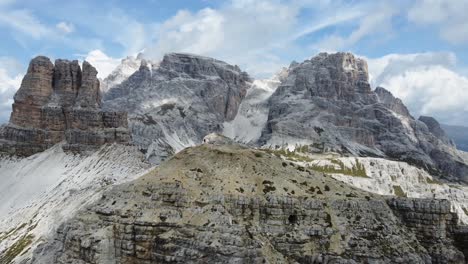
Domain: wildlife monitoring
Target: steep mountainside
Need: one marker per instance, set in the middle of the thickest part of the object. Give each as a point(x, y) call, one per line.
point(175, 104)
point(228, 204)
point(459, 135)
point(39, 192)
point(326, 102)
point(252, 116)
point(331, 171)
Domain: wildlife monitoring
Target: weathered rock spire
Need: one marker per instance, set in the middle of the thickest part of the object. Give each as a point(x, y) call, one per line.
point(60, 102)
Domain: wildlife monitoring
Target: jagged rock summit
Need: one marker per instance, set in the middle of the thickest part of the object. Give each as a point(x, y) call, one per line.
point(174, 104)
point(60, 102)
point(327, 103)
point(230, 204)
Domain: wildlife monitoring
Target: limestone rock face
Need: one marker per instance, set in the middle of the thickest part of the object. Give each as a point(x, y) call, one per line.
point(61, 102)
point(392, 103)
point(89, 94)
point(35, 90)
point(435, 128)
point(228, 204)
point(175, 103)
point(327, 103)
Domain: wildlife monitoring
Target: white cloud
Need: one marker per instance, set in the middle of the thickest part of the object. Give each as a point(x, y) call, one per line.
point(10, 80)
point(102, 62)
point(426, 82)
point(25, 22)
point(246, 32)
point(377, 20)
point(65, 27)
point(448, 15)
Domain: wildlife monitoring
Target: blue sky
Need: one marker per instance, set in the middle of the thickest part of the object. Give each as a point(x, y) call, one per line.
point(417, 49)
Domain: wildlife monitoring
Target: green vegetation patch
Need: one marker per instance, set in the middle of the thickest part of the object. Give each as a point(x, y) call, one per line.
point(19, 246)
point(433, 181)
point(291, 155)
point(338, 167)
point(12, 232)
point(399, 191)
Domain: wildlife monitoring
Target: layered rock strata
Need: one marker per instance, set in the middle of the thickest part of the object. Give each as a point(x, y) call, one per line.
point(227, 204)
point(175, 103)
point(60, 102)
point(327, 103)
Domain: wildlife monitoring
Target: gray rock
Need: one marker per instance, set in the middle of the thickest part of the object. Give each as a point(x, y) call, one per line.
point(176, 103)
point(326, 102)
point(435, 128)
point(201, 207)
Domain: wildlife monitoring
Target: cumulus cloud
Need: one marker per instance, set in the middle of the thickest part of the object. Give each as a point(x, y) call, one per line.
point(10, 80)
point(65, 27)
point(377, 20)
point(249, 33)
point(25, 22)
point(103, 63)
point(427, 83)
point(448, 15)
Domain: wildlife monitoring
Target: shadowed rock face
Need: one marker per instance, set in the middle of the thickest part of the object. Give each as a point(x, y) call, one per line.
point(327, 102)
point(57, 103)
point(176, 103)
point(435, 128)
point(228, 204)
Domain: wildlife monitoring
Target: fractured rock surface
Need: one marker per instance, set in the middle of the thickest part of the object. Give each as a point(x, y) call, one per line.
point(228, 204)
point(60, 102)
point(174, 104)
point(327, 103)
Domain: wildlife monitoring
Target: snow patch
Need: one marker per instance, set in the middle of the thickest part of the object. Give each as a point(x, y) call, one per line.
point(252, 115)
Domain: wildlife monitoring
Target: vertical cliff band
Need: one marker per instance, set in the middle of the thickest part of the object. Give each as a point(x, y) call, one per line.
point(60, 102)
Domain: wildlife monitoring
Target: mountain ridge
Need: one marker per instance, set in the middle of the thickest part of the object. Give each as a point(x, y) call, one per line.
point(319, 118)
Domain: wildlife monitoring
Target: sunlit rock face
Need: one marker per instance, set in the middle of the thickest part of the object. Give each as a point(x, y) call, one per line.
point(223, 203)
point(327, 103)
point(60, 102)
point(174, 103)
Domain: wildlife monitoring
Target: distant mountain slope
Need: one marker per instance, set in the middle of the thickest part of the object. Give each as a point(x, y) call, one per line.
point(459, 134)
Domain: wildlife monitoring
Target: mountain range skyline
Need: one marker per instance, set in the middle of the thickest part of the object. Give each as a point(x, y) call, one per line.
point(411, 46)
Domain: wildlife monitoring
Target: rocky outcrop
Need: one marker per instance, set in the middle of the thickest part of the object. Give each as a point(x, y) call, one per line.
point(175, 103)
point(391, 102)
point(327, 103)
point(60, 102)
point(227, 204)
point(435, 128)
point(435, 227)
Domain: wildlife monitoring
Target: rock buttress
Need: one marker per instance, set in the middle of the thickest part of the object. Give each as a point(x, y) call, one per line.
point(60, 102)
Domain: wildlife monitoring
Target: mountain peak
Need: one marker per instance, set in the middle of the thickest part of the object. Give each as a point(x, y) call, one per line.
point(60, 102)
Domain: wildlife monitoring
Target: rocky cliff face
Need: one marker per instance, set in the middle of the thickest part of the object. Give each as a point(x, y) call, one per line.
point(228, 204)
point(176, 103)
point(327, 103)
point(60, 102)
point(435, 128)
